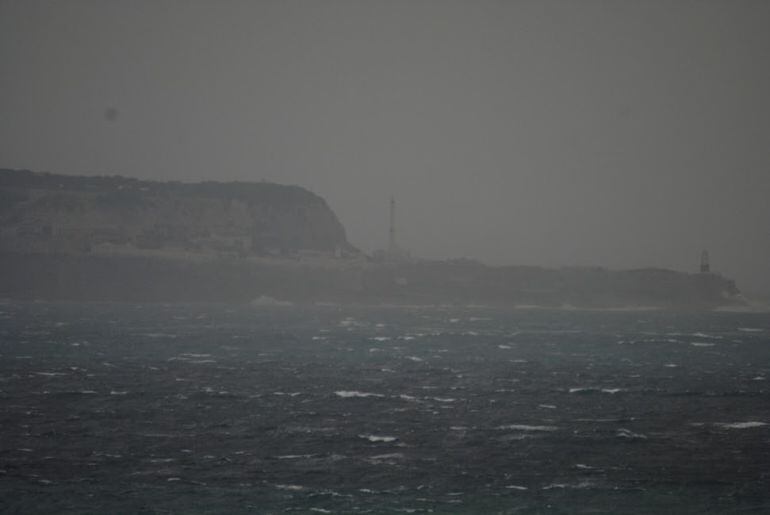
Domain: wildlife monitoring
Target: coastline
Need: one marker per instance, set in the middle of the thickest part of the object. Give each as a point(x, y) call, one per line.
point(169, 278)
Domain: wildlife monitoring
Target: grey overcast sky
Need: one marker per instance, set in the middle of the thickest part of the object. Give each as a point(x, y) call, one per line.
point(616, 133)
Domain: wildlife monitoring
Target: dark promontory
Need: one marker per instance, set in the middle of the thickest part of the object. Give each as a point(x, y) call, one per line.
point(115, 238)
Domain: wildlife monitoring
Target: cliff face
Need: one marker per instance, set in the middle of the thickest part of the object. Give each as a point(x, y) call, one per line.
point(58, 214)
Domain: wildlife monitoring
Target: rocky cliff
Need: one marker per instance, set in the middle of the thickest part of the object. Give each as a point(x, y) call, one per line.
point(70, 215)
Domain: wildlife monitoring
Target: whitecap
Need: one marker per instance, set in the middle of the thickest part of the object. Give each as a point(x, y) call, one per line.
point(378, 438)
point(292, 488)
point(546, 406)
point(581, 485)
point(443, 399)
point(701, 344)
point(503, 346)
point(525, 427)
point(116, 392)
point(380, 338)
point(741, 425)
point(346, 394)
point(627, 433)
point(385, 457)
point(705, 335)
point(750, 329)
point(516, 487)
point(600, 420)
point(612, 390)
point(415, 358)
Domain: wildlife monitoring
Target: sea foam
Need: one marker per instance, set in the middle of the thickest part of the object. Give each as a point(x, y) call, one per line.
point(741, 425)
point(346, 394)
point(525, 427)
point(379, 438)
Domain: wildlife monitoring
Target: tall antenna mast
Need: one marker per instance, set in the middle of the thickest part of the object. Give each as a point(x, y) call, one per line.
point(392, 235)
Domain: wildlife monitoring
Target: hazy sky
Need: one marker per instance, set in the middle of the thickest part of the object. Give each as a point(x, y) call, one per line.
point(615, 133)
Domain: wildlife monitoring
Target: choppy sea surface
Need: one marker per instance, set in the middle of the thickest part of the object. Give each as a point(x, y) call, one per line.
point(129, 408)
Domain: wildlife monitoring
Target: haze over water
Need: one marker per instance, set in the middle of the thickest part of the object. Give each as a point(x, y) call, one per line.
point(623, 134)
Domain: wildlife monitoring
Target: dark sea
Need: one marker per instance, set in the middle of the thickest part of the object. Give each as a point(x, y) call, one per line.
point(126, 408)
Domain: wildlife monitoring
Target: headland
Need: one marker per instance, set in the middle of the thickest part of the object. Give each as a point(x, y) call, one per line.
point(120, 239)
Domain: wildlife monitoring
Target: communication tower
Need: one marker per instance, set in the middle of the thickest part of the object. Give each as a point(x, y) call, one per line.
point(392, 249)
